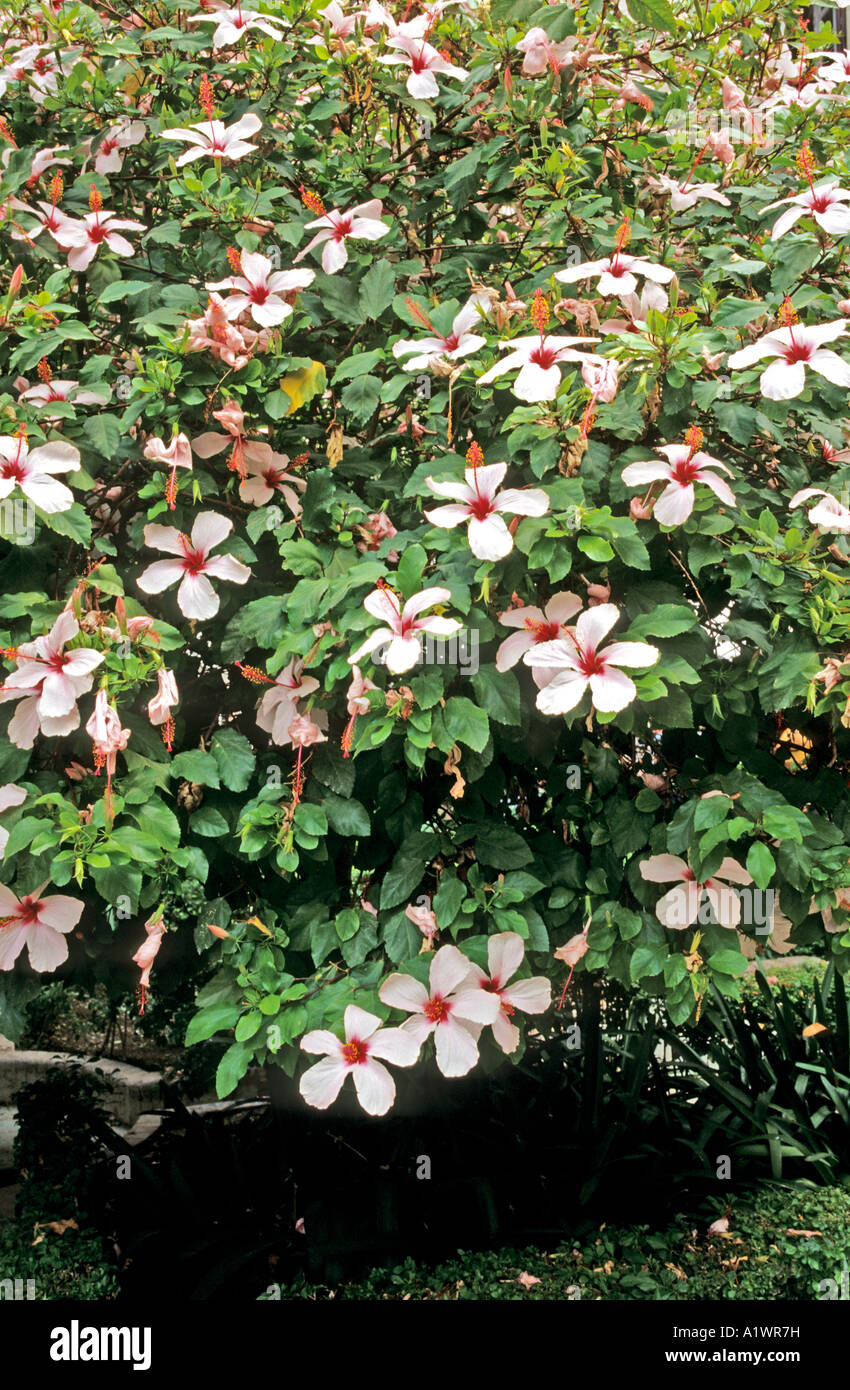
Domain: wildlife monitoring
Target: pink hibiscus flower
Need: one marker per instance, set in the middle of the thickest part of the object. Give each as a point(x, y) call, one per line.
point(267, 475)
point(215, 140)
point(450, 1003)
point(367, 1045)
point(505, 954)
point(278, 708)
point(83, 239)
point(10, 796)
point(40, 924)
point(148, 952)
point(109, 158)
point(830, 514)
point(686, 466)
point(48, 682)
point(46, 392)
point(214, 333)
point(233, 23)
point(796, 347)
point(402, 627)
point(166, 698)
point(336, 228)
point(259, 290)
point(31, 470)
point(479, 504)
point(536, 625)
point(109, 739)
point(459, 343)
point(826, 203)
point(680, 907)
point(616, 273)
point(424, 61)
point(542, 55)
point(195, 596)
point(176, 454)
point(579, 665)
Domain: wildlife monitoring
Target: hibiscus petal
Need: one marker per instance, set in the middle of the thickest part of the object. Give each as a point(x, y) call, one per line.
point(209, 530)
point(320, 1085)
point(505, 953)
point(530, 996)
point(490, 539)
point(396, 1046)
point(160, 575)
point(449, 968)
point(457, 1052)
point(403, 992)
point(375, 1087)
point(196, 597)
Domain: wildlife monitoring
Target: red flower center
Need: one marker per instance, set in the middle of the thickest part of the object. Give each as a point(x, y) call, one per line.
point(342, 229)
point(97, 234)
point(259, 294)
point(355, 1052)
point(685, 472)
point(797, 352)
point(437, 1009)
point(542, 631)
point(590, 664)
point(481, 508)
point(194, 561)
point(543, 356)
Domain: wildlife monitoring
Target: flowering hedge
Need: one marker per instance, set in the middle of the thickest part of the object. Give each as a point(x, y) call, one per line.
point(425, 556)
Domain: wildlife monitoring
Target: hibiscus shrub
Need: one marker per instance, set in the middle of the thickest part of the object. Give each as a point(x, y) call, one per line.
point(404, 628)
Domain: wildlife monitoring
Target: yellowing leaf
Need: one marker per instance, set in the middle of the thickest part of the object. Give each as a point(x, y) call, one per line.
point(800, 746)
point(303, 385)
point(255, 922)
point(813, 1029)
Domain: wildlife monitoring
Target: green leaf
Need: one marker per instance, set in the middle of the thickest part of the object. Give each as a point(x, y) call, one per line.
point(728, 962)
point(196, 766)
point(595, 548)
point(666, 620)
point(711, 811)
point(157, 820)
point(216, 1018)
point(499, 694)
point(104, 434)
point(345, 815)
point(361, 397)
point(124, 289)
point(502, 848)
point(654, 14)
point(448, 898)
point(377, 289)
point(248, 1025)
point(232, 1068)
point(259, 623)
point(466, 723)
point(760, 864)
point(235, 757)
point(647, 960)
point(347, 923)
point(410, 568)
point(73, 523)
point(206, 820)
